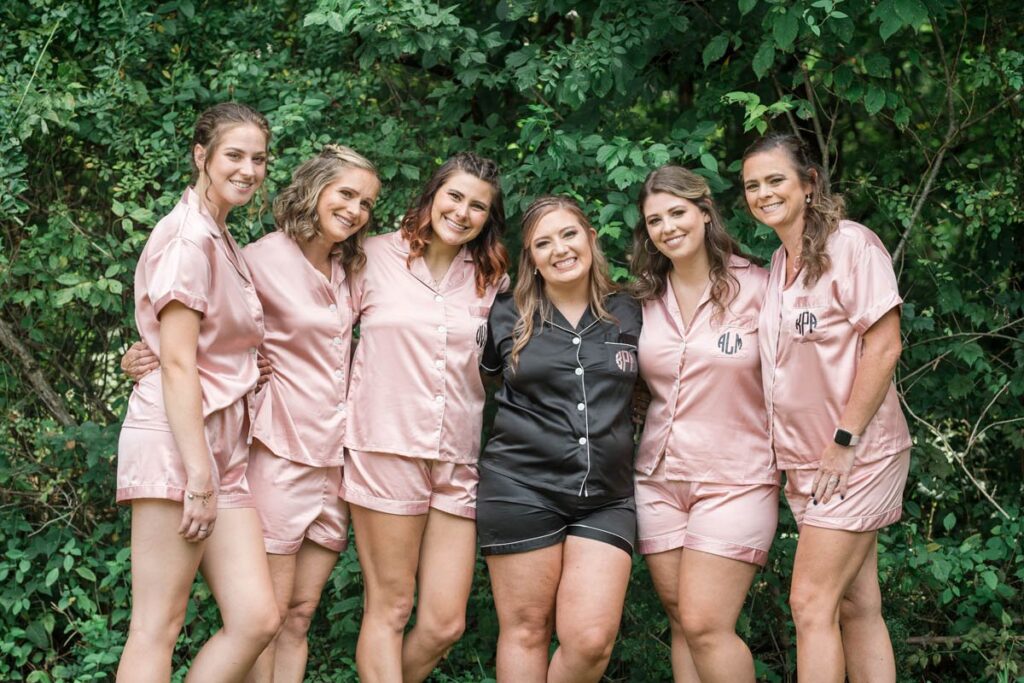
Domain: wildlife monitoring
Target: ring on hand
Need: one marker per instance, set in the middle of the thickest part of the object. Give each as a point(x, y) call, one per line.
point(833, 481)
point(202, 529)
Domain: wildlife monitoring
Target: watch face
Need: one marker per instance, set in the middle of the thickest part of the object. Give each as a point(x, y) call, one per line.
point(843, 437)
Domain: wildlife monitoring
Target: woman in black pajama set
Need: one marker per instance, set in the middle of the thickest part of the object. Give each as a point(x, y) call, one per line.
point(555, 514)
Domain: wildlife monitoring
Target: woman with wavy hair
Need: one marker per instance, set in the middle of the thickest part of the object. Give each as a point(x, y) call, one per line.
point(706, 486)
point(301, 274)
point(556, 519)
point(415, 412)
point(829, 343)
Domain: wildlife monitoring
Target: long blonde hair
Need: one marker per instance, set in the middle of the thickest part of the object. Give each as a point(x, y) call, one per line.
point(825, 209)
point(529, 296)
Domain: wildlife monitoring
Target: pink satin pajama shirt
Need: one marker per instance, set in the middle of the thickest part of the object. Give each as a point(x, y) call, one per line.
point(811, 344)
point(190, 260)
point(299, 426)
point(415, 389)
point(706, 476)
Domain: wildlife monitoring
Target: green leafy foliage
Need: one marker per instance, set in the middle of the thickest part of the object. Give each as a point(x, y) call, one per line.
point(913, 104)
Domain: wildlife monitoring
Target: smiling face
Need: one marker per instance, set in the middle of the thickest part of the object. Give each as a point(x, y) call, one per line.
point(344, 205)
point(560, 248)
point(775, 194)
point(460, 209)
point(675, 226)
point(234, 169)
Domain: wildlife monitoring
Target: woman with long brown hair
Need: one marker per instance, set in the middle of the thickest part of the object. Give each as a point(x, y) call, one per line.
point(706, 487)
point(556, 519)
point(829, 343)
point(415, 412)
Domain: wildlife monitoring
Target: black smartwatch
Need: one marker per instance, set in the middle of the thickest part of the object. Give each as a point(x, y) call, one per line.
point(845, 438)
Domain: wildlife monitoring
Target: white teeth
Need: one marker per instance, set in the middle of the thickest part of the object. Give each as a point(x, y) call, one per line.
point(565, 263)
point(240, 185)
point(344, 221)
point(455, 226)
point(771, 207)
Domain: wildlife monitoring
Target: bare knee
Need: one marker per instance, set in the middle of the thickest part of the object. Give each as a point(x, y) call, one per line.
point(701, 631)
point(441, 632)
point(158, 634)
point(812, 608)
point(529, 628)
point(392, 606)
point(591, 644)
point(258, 623)
point(299, 618)
point(859, 605)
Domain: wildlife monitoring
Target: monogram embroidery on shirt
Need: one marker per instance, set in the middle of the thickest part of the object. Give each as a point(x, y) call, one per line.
point(806, 322)
point(730, 343)
point(481, 335)
point(625, 361)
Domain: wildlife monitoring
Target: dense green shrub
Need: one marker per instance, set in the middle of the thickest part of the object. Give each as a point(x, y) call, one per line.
point(915, 105)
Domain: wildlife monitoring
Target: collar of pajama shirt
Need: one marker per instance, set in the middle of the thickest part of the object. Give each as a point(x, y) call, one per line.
point(810, 344)
point(188, 259)
point(300, 411)
point(707, 415)
point(415, 387)
point(564, 414)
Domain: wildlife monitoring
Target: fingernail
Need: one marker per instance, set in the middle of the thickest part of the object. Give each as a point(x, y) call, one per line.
point(842, 497)
point(815, 500)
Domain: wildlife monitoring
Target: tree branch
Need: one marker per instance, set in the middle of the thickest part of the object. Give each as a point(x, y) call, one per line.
point(818, 132)
point(9, 340)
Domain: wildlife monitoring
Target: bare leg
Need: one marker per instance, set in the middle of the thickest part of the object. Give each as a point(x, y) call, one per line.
point(282, 576)
point(589, 608)
point(827, 561)
point(665, 575)
point(235, 566)
point(447, 558)
point(866, 642)
point(389, 548)
point(163, 568)
point(313, 566)
point(713, 590)
point(524, 587)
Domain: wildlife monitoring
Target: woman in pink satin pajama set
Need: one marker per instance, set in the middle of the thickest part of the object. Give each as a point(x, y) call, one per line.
point(183, 449)
point(706, 486)
point(829, 343)
point(301, 274)
point(415, 413)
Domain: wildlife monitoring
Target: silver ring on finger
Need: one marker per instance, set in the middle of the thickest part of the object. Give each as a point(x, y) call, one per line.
point(833, 481)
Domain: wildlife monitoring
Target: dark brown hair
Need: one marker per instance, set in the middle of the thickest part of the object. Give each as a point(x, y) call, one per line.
point(489, 254)
point(529, 294)
point(210, 128)
point(825, 209)
point(295, 206)
point(652, 269)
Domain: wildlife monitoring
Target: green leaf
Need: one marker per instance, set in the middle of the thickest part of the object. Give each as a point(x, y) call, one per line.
point(51, 576)
point(912, 12)
point(37, 635)
point(709, 162)
point(949, 521)
point(874, 100)
point(715, 49)
point(117, 207)
point(990, 578)
point(764, 59)
point(877, 65)
point(85, 573)
point(746, 6)
point(785, 29)
point(891, 21)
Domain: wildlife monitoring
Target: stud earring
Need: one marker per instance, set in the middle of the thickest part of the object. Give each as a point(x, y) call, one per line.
point(807, 199)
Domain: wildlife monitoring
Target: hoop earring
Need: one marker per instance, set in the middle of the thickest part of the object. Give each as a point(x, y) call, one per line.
point(648, 245)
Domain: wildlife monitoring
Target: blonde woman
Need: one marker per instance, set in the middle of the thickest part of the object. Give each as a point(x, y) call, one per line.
point(301, 274)
point(555, 518)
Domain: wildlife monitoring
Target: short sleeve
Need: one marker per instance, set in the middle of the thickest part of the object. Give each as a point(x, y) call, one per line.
point(179, 272)
point(356, 287)
point(868, 290)
point(628, 312)
point(498, 327)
